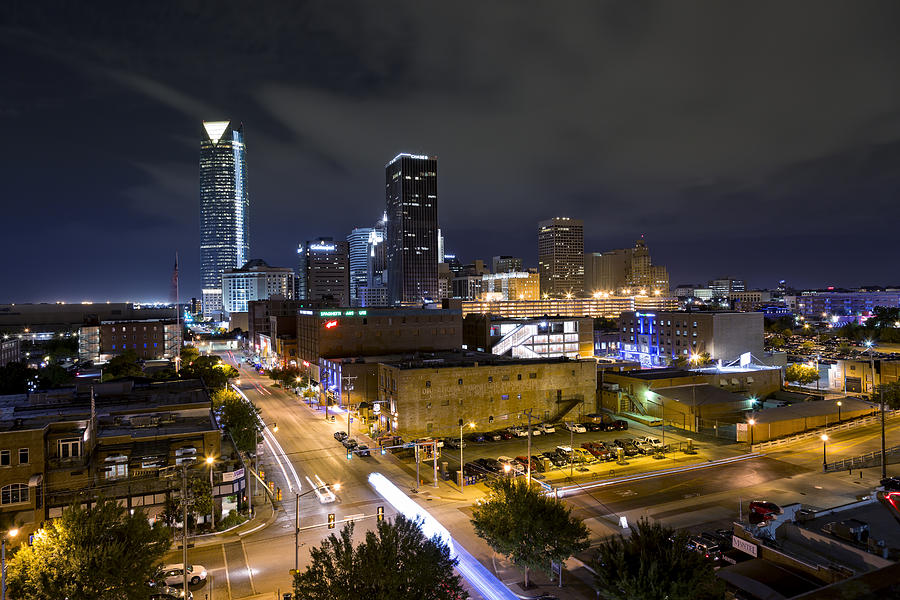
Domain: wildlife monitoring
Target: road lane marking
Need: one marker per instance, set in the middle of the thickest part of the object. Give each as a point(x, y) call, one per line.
point(225, 562)
point(249, 570)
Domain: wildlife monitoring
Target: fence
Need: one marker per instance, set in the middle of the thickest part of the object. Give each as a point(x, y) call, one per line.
point(719, 429)
point(872, 459)
point(808, 435)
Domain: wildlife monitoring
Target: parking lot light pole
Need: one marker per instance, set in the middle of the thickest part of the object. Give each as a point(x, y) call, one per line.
point(824, 456)
point(839, 411)
point(11, 533)
point(751, 423)
point(212, 496)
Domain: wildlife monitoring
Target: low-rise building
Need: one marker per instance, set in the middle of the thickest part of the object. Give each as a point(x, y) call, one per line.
point(511, 285)
point(256, 280)
point(10, 351)
point(547, 337)
point(655, 338)
point(601, 305)
point(829, 303)
point(70, 445)
point(151, 339)
point(432, 395)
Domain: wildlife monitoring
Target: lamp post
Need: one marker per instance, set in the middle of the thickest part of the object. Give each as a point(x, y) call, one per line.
point(212, 496)
point(839, 411)
point(297, 497)
point(751, 423)
point(824, 439)
point(461, 463)
point(11, 533)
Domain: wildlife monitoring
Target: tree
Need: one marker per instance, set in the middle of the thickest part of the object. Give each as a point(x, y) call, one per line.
point(214, 373)
point(801, 374)
point(15, 378)
point(890, 392)
point(788, 333)
point(532, 529)
point(777, 341)
point(104, 552)
point(395, 562)
point(654, 563)
point(239, 417)
point(124, 365)
point(807, 345)
point(287, 376)
point(189, 354)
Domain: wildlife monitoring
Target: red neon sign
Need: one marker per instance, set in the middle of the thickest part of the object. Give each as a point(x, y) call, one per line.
point(330, 324)
point(305, 363)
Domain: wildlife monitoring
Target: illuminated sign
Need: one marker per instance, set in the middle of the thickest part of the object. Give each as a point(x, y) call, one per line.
point(341, 313)
point(329, 313)
point(330, 324)
point(322, 247)
point(305, 363)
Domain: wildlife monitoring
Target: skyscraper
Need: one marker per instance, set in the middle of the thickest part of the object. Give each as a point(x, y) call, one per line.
point(561, 256)
point(506, 264)
point(412, 246)
point(224, 208)
point(358, 242)
point(324, 271)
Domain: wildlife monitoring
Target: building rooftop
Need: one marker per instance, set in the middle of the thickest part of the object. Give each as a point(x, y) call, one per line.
point(651, 374)
point(448, 359)
point(113, 399)
point(813, 408)
point(701, 394)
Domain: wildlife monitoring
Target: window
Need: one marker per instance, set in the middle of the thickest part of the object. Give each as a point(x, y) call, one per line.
point(504, 397)
point(532, 376)
point(23, 456)
point(490, 379)
point(4, 458)
point(459, 381)
point(428, 383)
point(14, 493)
point(519, 377)
point(69, 448)
point(116, 466)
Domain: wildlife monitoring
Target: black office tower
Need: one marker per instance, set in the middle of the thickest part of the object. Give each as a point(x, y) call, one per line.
point(412, 229)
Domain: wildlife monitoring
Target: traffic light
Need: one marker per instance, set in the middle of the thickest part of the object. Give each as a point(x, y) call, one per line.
point(383, 450)
point(330, 520)
point(380, 514)
point(349, 454)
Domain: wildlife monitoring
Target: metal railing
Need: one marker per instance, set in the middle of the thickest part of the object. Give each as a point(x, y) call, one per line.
point(808, 435)
point(870, 459)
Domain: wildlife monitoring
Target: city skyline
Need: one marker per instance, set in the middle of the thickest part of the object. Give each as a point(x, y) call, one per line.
point(731, 162)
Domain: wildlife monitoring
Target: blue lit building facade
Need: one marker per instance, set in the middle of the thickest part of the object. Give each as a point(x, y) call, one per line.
point(224, 208)
point(358, 242)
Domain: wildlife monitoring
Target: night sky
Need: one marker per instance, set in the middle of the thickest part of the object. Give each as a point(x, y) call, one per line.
point(759, 140)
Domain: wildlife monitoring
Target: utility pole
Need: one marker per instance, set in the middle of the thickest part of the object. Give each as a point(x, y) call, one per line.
point(418, 457)
point(297, 531)
point(184, 524)
point(434, 454)
point(528, 466)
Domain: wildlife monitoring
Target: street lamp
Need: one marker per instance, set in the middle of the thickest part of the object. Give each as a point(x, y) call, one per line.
point(824, 439)
point(211, 461)
point(839, 410)
point(751, 423)
point(11, 534)
point(461, 463)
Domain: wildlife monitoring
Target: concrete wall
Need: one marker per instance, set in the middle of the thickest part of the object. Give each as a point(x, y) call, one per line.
point(736, 333)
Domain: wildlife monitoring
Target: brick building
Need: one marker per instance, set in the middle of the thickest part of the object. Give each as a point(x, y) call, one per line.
point(151, 339)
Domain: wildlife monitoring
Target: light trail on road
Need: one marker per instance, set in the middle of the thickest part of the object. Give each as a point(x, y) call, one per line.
point(485, 582)
point(272, 443)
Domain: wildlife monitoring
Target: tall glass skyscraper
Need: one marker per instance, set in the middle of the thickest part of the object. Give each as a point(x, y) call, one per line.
point(412, 232)
point(358, 240)
point(224, 208)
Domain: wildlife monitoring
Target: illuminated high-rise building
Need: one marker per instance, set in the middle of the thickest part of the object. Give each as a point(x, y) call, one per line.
point(358, 243)
point(561, 257)
point(324, 272)
point(224, 208)
point(411, 250)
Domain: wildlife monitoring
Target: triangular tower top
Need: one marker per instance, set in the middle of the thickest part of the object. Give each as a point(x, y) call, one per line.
point(215, 129)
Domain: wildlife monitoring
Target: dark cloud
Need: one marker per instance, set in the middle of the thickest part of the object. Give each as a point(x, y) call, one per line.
point(724, 132)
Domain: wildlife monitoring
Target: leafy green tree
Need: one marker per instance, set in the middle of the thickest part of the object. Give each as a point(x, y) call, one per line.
point(654, 563)
point(395, 561)
point(124, 365)
point(807, 345)
point(100, 553)
point(890, 392)
point(287, 376)
point(776, 341)
point(214, 373)
point(189, 354)
point(532, 529)
point(15, 376)
point(239, 417)
point(59, 348)
point(787, 333)
point(801, 374)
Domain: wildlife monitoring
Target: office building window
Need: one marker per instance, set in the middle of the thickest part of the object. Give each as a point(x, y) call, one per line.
point(14, 493)
point(4, 458)
point(23, 456)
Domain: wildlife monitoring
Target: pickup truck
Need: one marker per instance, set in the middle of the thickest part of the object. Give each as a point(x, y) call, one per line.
point(651, 441)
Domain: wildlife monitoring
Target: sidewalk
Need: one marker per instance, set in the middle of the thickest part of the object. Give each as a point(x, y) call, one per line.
point(264, 515)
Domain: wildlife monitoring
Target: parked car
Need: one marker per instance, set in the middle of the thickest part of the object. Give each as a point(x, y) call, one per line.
point(493, 436)
point(363, 450)
point(340, 435)
point(454, 443)
point(350, 443)
point(473, 469)
point(576, 427)
point(591, 426)
point(596, 452)
point(173, 575)
point(555, 459)
point(513, 464)
point(652, 441)
point(505, 434)
point(644, 447)
point(518, 431)
point(167, 592)
point(709, 548)
point(534, 431)
point(547, 428)
point(490, 465)
point(476, 437)
point(620, 425)
point(626, 446)
point(536, 465)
